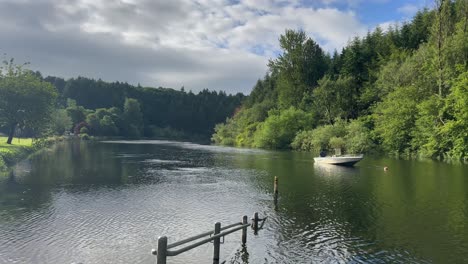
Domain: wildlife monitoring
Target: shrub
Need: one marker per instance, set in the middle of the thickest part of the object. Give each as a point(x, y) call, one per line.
point(319, 138)
point(280, 128)
point(84, 130)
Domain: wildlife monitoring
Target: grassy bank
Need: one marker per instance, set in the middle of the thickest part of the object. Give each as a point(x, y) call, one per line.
point(20, 149)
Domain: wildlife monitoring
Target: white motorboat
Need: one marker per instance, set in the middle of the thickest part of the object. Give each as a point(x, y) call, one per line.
point(344, 160)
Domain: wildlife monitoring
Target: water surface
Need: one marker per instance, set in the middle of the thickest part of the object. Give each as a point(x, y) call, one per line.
point(107, 202)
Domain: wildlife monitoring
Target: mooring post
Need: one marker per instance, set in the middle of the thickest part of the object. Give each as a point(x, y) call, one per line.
point(162, 250)
point(216, 243)
point(255, 223)
point(275, 186)
point(244, 230)
point(275, 190)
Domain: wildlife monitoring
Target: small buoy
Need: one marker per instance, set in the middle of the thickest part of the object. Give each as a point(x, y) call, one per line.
point(385, 168)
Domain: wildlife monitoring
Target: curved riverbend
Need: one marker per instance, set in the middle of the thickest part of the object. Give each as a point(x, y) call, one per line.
point(107, 202)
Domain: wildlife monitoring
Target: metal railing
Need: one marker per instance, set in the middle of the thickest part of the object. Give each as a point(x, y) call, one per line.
point(163, 251)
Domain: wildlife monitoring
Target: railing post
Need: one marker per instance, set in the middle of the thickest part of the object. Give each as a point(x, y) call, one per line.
point(162, 250)
point(216, 243)
point(255, 223)
point(244, 230)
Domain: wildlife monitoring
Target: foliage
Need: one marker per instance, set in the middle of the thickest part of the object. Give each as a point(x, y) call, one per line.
point(402, 90)
point(299, 67)
point(319, 138)
point(133, 118)
point(84, 136)
point(359, 137)
point(161, 107)
point(61, 122)
point(337, 142)
point(280, 128)
point(84, 130)
point(20, 149)
point(26, 101)
point(426, 134)
point(395, 118)
point(240, 130)
point(77, 113)
point(454, 132)
point(334, 98)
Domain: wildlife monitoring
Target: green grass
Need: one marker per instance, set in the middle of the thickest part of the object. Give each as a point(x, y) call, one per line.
point(16, 142)
point(18, 150)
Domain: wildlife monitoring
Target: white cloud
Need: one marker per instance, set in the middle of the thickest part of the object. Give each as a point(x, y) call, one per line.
point(385, 26)
point(199, 44)
point(408, 9)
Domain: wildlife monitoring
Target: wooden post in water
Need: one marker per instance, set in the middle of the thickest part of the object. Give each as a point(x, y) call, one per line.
point(244, 230)
point(162, 250)
point(216, 243)
point(255, 223)
point(275, 191)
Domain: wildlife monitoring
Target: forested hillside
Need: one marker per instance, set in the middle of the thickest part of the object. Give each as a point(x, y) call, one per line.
point(402, 91)
point(97, 108)
point(164, 112)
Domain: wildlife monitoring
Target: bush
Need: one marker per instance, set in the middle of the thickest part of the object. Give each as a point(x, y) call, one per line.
point(280, 128)
point(3, 166)
point(85, 136)
point(84, 130)
point(358, 137)
point(303, 141)
point(319, 138)
point(337, 142)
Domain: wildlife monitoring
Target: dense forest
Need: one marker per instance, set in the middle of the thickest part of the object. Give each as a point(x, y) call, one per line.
point(91, 107)
point(403, 91)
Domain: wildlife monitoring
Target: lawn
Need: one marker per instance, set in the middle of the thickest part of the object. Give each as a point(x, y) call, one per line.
point(10, 154)
point(15, 143)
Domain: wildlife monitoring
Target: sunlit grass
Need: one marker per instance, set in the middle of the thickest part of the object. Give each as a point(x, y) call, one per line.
point(15, 143)
point(11, 153)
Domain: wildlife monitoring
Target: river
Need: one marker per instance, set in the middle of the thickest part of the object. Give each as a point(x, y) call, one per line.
point(107, 202)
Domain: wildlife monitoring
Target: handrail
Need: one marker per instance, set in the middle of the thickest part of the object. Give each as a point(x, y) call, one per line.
point(190, 239)
point(204, 241)
point(163, 248)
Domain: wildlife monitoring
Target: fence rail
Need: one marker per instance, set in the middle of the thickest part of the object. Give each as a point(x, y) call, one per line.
point(163, 251)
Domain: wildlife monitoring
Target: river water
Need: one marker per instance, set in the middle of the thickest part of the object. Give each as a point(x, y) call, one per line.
point(107, 202)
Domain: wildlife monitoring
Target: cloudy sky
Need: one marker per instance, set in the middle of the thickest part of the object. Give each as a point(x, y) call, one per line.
point(214, 44)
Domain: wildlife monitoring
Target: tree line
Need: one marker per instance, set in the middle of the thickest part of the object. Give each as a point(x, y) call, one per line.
point(403, 91)
point(34, 106)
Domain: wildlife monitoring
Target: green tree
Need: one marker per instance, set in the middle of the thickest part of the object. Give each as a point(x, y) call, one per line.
point(395, 119)
point(133, 117)
point(61, 122)
point(358, 137)
point(25, 100)
point(454, 132)
point(334, 98)
point(75, 112)
point(280, 128)
point(94, 124)
point(299, 67)
point(319, 138)
point(107, 126)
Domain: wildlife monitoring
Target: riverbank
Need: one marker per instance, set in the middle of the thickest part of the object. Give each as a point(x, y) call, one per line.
point(21, 148)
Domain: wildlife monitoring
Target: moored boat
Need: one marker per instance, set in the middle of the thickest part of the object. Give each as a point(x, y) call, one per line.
point(345, 160)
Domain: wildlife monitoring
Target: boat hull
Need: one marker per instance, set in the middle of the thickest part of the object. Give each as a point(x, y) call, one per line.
point(342, 160)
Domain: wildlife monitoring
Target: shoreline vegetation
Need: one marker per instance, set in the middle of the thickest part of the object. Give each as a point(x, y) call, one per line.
point(402, 91)
point(33, 106)
point(21, 149)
